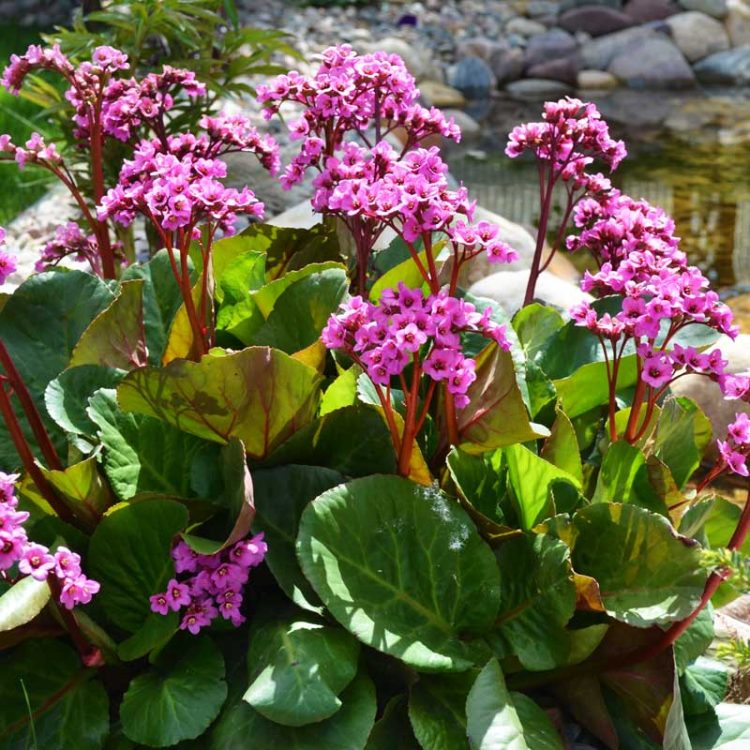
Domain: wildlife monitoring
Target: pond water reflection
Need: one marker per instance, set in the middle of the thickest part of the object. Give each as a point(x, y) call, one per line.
point(689, 155)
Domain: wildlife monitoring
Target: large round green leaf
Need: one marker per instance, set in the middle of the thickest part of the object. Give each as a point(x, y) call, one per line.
point(297, 670)
point(402, 567)
point(129, 556)
point(538, 730)
point(179, 697)
point(647, 573)
point(241, 727)
point(22, 602)
point(727, 729)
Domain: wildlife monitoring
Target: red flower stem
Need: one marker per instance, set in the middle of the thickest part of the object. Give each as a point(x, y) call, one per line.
point(90, 655)
point(27, 458)
point(97, 181)
point(635, 407)
point(418, 262)
point(434, 279)
point(412, 402)
point(541, 234)
point(451, 419)
point(29, 408)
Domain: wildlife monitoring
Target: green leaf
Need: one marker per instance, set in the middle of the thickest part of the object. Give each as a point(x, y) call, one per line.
point(40, 324)
point(482, 482)
point(116, 337)
point(129, 555)
point(648, 574)
point(437, 710)
point(402, 567)
point(535, 325)
point(235, 277)
point(393, 730)
point(682, 435)
point(727, 729)
point(406, 272)
point(161, 300)
point(695, 640)
point(538, 730)
point(281, 495)
point(259, 395)
point(561, 447)
point(22, 602)
point(155, 632)
point(179, 697)
point(347, 729)
point(537, 599)
point(704, 685)
point(587, 387)
point(531, 480)
point(142, 454)
point(297, 669)
point(492, 720)
point(496, 415)
point(341, 392)
point(302, 311)
point(69, 710)
point(67, 400)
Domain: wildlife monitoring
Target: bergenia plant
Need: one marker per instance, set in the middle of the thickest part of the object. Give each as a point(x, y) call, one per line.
point(255, 492)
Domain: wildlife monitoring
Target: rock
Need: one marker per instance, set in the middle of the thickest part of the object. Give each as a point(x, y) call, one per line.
point(470, 128)
point(706, 393)
point(599, 53)
point(508, 288)
point(551, 45)
point(715, 8)
point(473, 77)
point(727, 68)
point(507, 64)
point(653, 64)
point(524, 27)
point(738, 22)
point(595, 20)
point(643, 11)
point(418, 60)
point(568, 4)
point(438, 94)
point(597, 80)
point(536, 89)
point(697, 35)
point(636, 110)
point(564, 69)
point(478, 47)
point(537, 8)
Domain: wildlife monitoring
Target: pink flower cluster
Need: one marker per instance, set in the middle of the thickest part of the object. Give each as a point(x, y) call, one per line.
point(407, 326)
point(36, 151)
point(639, 258)
point(177, 183)
point(736, 448)
point(215, 585)
point(571, 136)
point(70, 241)
point(36, 560)
point(7, 261)
point(35, 57)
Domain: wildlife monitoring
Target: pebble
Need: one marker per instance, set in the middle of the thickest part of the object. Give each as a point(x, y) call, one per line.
point(537, 89)
point(437, 94)
point(596, 80)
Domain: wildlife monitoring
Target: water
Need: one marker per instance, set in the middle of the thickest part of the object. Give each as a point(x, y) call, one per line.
point(689, 155)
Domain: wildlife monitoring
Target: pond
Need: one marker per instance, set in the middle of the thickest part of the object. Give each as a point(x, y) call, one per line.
point(689, 154)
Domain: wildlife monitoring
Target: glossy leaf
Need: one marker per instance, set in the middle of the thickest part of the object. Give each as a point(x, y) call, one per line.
point(561, 447)
point(402, 567)
point(535, 325)
point(538, 730)
point(22, 602)
point(393, 730)
point(407, 272)
point(297, 669)
point(129, 556)
point(341, 392)
point(179, 697)
point(727, 729)
point(259, 395)
point(704, 685)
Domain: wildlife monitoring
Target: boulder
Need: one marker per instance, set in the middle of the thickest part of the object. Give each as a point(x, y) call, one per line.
point(596, 80)
point(537, 89)
point(715, 8)
point(599, 53)
point(437, 94)
point(730, 68)
point(469, 126)
point(564, 69)
point(508, 288)
point(418, 60)
point(524, 27)
point(643, 11)
point(738, 22)
point(636, 110)
point(697, 35)
point(655, 63)
point(473, 77)
point(507, 64)
point(551, 45)
point(596, 20)
point(478, 47)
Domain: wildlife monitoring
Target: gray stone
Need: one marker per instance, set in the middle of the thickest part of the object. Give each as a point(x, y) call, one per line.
point(726, 68)
point(507, 65)
point(469, 126)
point(473, 77)
point(524, 27)
point(715, 8)
point(564, 69)
point(553, 44)
point(697, 35)
point(637, 110)
point(437, 94)
point(599, 53)
point(596, 20)
point(418, 60)
point(653, 64)
point(537, 8)
point(478, 47)
point(642, 11)
point(567, 4)
point(738, 22)
point(597, 80)
point(536, 89)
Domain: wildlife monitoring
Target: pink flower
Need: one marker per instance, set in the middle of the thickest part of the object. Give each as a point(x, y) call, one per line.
point(159, 604)
point(736, 461)
point(656, 371)
point(78, 590)
point(178, 595)
point(37, 562)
